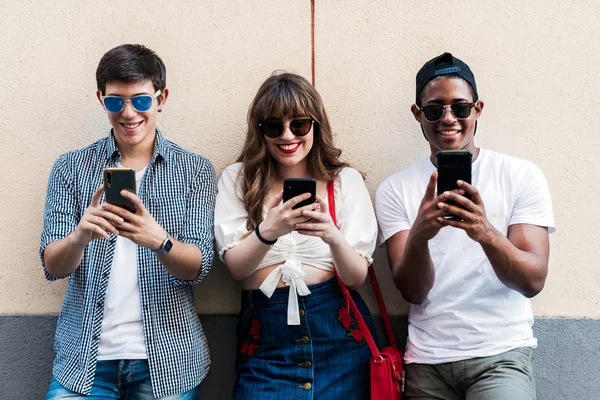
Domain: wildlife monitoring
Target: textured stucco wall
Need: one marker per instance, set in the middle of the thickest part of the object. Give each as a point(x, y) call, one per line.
point(535, 63)
point(536, 66)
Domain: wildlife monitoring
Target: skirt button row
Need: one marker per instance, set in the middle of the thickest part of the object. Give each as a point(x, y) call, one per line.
point(303, 339)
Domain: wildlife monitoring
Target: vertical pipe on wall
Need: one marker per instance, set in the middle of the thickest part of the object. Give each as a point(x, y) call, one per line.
point(312, 40)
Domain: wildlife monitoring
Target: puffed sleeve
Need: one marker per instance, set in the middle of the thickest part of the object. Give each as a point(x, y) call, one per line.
point(355, 216)
point(230, 213)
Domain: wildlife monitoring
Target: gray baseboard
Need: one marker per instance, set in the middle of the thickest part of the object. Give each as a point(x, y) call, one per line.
point(567, 361)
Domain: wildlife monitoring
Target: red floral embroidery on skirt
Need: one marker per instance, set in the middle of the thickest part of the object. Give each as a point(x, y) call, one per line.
point(249, 344)
point(350, 323)
point(255, 329)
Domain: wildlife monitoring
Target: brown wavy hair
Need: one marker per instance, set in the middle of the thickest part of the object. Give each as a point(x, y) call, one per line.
point(283, 95)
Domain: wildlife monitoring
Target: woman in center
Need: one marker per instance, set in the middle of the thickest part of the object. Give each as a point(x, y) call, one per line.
point(295, 337)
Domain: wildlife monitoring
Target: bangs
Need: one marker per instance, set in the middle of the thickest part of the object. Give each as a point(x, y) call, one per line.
point(281, 101)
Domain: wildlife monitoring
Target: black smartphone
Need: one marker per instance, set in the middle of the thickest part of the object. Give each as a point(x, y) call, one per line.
point(293, 187)
point(453, 165)
point(115, 180)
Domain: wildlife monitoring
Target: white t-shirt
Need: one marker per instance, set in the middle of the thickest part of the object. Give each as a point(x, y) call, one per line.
point(122, 336)
point(468, 312)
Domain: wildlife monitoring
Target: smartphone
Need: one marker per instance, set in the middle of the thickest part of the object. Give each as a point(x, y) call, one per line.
point(115, 180)
point(453, 165)
point(293, 187)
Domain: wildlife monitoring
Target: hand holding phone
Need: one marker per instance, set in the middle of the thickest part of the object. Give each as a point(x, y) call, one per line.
point(453, 165)
point(293, 187)
point(115, 180)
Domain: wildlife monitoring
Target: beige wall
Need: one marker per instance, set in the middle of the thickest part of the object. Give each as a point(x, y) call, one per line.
point(536, 65)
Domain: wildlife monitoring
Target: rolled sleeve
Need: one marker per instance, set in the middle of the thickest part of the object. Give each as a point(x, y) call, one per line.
point(62, 210)
point(198, 228)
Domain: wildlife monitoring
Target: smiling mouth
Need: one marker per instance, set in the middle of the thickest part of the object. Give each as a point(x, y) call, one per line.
point(288, 148)
point(131, 126)
point(449, 133)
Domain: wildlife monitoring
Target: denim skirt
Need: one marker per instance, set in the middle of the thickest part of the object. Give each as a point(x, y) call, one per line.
point(325, 357)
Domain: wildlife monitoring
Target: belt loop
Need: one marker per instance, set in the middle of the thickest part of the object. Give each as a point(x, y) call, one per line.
point(249, 298)
point(246, 298)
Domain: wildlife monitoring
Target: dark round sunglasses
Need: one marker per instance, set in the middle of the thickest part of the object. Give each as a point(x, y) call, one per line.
point(274, 128)
point(435, 112)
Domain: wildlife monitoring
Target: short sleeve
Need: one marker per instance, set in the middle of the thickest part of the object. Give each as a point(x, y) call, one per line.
point(230, 214)
point(533, 204)
point(391, 211)
point(61, 214)
point(355, 215)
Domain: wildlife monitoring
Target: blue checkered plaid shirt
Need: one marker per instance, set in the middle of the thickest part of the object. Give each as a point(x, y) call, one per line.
point(178, 189)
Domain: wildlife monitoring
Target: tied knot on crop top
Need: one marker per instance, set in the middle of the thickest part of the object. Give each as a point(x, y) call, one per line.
point(291, 273)
point(355, 219)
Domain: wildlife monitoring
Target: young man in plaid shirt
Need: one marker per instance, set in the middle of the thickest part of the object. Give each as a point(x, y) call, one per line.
point(128, 328)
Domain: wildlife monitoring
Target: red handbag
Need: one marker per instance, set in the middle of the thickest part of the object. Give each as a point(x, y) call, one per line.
point(387, 368)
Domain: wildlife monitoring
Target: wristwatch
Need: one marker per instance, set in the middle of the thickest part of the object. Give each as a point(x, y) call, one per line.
point(165, 247)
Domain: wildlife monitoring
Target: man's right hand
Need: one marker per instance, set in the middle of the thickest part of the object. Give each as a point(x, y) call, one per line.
point(426, 225)
point(96, 222)
point(408, 251)
point(62, 257)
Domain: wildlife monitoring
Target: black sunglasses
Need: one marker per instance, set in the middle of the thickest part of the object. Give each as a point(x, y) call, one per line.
point(274, 128)
point(435, 112)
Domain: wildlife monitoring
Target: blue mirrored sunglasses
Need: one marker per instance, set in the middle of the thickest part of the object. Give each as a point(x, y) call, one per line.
point(140, 103)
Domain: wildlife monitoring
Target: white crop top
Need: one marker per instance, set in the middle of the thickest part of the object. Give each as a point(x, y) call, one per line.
point(355, 219)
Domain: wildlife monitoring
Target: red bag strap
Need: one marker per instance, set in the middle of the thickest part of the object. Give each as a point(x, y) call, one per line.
point(350, 303)
point(384, 314)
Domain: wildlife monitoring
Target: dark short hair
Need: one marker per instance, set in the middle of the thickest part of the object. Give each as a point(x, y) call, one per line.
point(131, 63)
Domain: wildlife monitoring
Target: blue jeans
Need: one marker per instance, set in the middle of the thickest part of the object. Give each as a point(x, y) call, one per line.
point(118, 379)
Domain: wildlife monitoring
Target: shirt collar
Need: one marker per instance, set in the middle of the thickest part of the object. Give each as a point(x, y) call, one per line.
point(161, 148)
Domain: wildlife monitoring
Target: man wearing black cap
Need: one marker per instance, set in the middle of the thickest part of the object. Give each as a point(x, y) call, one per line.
point(468, 279)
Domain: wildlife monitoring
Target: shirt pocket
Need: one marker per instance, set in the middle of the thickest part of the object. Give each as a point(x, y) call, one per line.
point(170, 214)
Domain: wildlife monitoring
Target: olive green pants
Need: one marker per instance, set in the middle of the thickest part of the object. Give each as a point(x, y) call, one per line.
point(506, 376)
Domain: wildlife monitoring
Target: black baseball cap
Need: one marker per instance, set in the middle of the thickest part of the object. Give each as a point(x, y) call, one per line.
point(445, 64)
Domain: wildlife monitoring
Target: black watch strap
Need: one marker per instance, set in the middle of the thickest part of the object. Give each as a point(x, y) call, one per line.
point(262, 239)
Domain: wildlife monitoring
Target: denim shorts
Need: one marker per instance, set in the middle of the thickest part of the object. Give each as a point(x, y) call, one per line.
point(325, 357)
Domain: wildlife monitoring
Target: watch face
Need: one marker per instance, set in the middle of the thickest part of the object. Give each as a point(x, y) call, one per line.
point(168, 246)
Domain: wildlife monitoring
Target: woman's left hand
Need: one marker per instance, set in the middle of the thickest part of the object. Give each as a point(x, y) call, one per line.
point(320, 225)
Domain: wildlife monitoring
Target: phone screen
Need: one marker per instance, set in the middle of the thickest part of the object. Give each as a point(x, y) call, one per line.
point(293, 187)
point(115, 180)
point(453, 165)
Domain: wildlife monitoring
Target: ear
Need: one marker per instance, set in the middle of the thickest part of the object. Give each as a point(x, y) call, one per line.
point(416, 112)
point(478, 108)
point(99, 96)
point(162, 99)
